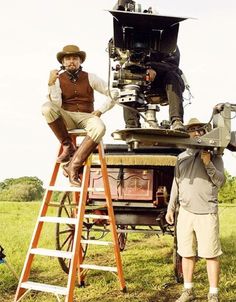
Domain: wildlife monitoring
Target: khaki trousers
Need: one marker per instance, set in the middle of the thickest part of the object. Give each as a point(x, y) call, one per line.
point(93, 125)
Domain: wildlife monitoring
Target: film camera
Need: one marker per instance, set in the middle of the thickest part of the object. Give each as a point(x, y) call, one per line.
point(136, 35)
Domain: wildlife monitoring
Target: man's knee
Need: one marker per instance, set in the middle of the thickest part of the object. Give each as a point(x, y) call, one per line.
point(174, 81)
point(50, 111)
point(171, 76)
point(101, 129)
point(47, 108)
point(98, 131)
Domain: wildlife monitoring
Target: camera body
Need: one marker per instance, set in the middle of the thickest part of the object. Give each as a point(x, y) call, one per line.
point(136, 36)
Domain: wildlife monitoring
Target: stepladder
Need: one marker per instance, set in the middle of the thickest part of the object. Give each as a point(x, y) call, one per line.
point(72, 219)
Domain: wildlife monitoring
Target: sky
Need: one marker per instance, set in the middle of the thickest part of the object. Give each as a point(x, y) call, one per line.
point(32, 32)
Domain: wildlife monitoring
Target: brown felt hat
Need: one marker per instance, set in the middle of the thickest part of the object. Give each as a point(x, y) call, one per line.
point(194, 122)
point(71, 50)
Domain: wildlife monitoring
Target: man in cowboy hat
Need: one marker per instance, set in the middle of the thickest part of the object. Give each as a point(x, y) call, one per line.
point(71, 105)
point(198, 177)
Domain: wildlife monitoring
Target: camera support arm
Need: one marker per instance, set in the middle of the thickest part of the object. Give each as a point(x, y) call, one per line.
point(216, 140)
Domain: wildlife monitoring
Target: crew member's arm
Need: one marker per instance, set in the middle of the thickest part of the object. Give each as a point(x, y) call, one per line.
point(54, 89)
point(101, 86)
point(214, 168)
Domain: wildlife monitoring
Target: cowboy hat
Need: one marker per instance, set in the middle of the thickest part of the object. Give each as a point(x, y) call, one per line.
point(71, 50)
point(194, 122)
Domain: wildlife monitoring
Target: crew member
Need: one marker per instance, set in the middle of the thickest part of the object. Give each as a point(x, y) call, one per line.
point(198, 177)
point(165, 76)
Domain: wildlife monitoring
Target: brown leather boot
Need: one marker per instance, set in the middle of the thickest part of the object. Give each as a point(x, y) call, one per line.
point(68, 148)
point(72, 169)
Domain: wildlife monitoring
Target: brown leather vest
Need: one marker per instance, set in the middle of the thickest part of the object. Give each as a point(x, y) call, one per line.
point(76, 96)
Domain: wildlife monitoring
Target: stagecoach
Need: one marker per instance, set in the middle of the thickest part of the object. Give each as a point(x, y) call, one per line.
point(140, 182)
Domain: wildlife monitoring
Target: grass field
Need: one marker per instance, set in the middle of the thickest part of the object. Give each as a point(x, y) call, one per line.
point(147, 262)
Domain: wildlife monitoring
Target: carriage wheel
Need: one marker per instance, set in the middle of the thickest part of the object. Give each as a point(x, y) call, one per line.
point(65, 232)
point(122, 237)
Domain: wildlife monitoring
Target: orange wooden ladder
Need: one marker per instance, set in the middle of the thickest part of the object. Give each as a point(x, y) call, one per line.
point(76, 266)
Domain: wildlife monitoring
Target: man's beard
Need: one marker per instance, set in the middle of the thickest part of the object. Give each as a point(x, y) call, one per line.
point(71, 68)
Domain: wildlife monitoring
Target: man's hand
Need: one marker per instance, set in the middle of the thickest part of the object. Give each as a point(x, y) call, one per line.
point(152, 74)
point(53, 77)
point(170, 217)
point(205, 157)
point(97, 113)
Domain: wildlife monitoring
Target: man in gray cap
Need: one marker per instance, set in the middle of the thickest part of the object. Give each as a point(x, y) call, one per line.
point(71, 105)
point(198, 177)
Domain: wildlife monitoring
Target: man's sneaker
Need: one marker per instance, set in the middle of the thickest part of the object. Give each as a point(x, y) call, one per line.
point(187, 295)
point(213, 298)
point(178, 126)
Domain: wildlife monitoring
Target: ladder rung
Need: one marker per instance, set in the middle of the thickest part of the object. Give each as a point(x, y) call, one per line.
point(58, 219)
point(95, 216)
point(72, 189)
point(64, 188)
point(58, 205)
point(97, 242)
point(45, 288)
point(99, 267)
point(53, 253)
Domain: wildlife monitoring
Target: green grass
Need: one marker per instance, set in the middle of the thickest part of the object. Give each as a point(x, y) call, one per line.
point(147, 262)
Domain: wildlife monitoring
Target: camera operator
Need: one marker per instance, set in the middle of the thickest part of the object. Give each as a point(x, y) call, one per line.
point(198, 177)
point(165, 77)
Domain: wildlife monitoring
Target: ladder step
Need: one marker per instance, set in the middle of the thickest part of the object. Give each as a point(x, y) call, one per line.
point(53, 253)
point(72, 189)
point(99, 267)
point(58, 219)
point(96, 216)
point(97, 242)
point(58, 205)
point(45, 288)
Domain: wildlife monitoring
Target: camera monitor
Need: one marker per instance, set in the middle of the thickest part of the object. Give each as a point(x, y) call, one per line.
point(133, 31)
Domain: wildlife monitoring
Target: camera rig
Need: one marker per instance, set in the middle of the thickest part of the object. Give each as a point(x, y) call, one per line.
point(135, 35)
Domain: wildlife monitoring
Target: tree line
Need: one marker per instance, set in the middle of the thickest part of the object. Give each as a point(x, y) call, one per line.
point(31, 189)
point(21, 189)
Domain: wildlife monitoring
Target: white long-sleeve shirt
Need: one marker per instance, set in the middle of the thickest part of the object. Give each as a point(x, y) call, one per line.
point(97, 84)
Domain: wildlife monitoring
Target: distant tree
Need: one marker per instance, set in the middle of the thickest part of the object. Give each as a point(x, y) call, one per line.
point(227, 193)
point(21, 189)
